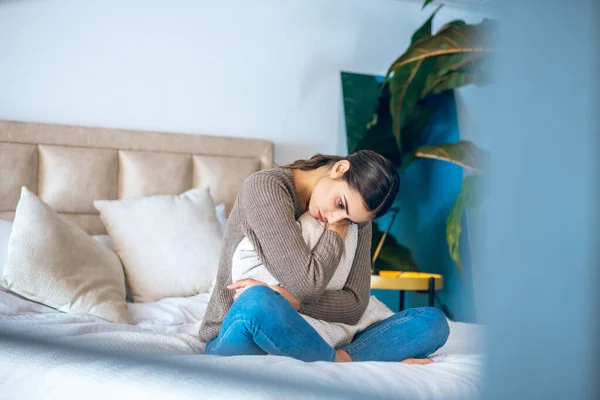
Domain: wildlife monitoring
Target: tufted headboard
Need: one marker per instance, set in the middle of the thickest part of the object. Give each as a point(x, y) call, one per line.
point(71, 166)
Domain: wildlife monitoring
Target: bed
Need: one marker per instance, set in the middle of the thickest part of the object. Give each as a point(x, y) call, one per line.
point(45, 353)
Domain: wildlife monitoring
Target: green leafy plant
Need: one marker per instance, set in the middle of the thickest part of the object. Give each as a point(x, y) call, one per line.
point(391, 122)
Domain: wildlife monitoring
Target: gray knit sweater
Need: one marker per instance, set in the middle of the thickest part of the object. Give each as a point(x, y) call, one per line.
point(266, 211)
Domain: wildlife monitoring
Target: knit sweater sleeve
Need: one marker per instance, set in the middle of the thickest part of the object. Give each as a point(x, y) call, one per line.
point(271, 227)
point(348, 305)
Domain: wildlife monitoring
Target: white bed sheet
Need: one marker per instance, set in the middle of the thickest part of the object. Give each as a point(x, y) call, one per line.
point(168, 329)
point(170, 315)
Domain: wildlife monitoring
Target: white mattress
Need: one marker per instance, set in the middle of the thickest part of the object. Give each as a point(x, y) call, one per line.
point(164, 332)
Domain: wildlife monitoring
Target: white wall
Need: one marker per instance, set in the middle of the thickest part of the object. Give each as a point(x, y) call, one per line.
point(264, 68)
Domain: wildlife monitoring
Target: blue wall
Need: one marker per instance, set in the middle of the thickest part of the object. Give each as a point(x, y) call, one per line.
point(427, 192)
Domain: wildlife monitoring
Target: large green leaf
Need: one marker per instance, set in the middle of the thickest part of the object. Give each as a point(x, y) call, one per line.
point(392, 256)
point(401, 105)
point(433, 64)
point(456, 37)
point(471, 196)
point(425, 3)
point(463, 153)
point(457, 70)
point(425, 30)
point(413, 136)
point(455, 79)
point(367, 117)
point(377, 133)
point(403, 78)
point(361, 93)
point(405, 96)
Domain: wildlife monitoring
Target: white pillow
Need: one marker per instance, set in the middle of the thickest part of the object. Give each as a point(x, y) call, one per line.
point(5, 229)
point(169, 245)
point(54, 262)
point(107, 241)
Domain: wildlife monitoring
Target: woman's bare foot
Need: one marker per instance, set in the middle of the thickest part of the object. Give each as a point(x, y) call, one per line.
point(342, 356)
point(419, 361)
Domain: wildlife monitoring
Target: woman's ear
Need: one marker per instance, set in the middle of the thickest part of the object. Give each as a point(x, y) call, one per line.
point(339, 169)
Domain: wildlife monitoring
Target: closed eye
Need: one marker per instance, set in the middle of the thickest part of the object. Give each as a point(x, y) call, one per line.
point(345, 207)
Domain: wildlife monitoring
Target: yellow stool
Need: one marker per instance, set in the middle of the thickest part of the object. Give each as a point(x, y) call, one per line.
point(398, 280)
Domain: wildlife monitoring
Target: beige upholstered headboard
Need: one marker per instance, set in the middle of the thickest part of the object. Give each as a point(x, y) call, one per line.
point(71, 166)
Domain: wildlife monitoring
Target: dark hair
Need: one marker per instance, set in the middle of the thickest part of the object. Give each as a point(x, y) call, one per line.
point(371, 174)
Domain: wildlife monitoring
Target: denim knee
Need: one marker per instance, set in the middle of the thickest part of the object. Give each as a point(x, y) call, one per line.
point(257, 302)
point(437, 324)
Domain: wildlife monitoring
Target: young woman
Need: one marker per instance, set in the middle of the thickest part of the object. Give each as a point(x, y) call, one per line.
point(263, 319)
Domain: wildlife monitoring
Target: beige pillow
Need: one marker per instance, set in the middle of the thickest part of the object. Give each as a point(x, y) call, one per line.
point(53, 262)
point(169, 245)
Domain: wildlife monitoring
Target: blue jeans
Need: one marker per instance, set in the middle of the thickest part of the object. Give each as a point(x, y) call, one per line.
point(261, 321)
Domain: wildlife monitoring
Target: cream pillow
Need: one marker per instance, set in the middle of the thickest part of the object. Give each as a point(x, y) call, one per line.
point(53, 262)
point(169, 245)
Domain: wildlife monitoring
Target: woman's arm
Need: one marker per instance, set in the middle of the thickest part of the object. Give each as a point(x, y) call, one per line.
point(347, 305)
point(277, 238)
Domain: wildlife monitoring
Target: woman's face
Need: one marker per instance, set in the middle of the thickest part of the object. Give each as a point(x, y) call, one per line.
point(332, 200)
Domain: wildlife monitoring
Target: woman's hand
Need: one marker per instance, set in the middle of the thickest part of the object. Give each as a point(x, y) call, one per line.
point(242, 285)
point(287, 295)
point(340, 227)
